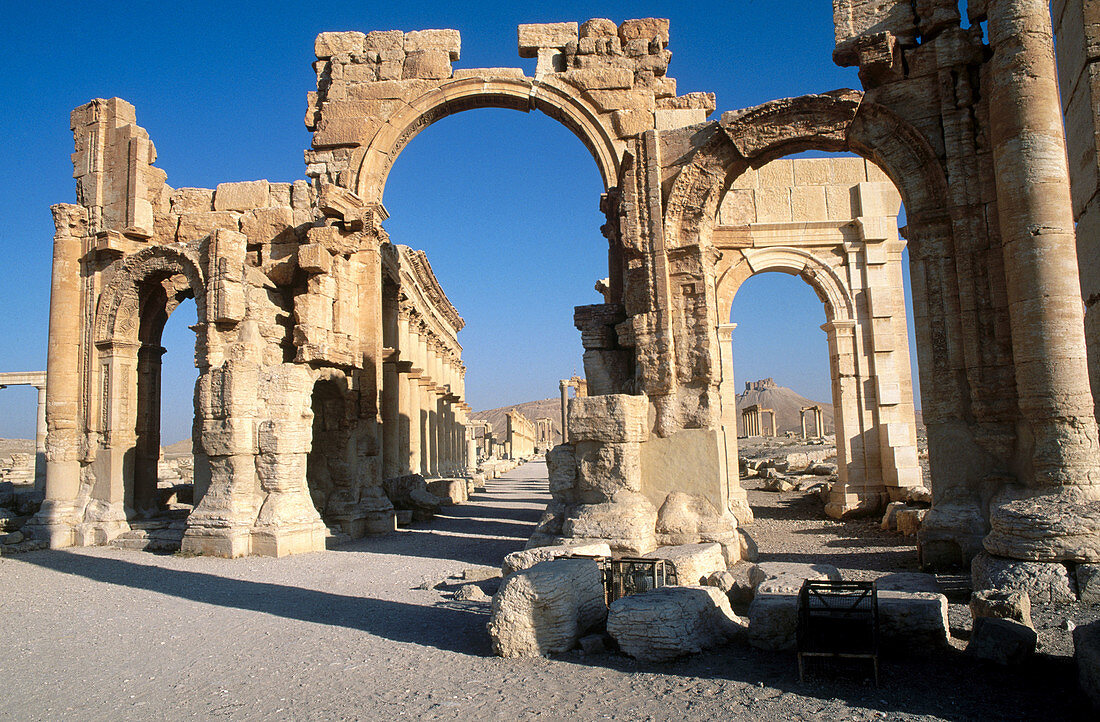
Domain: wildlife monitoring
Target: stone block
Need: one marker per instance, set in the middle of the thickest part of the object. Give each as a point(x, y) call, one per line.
point(1086, 652)
point(268, 225)
point(616, 418)
point(1001, 604)
point(913, 620)
point(314, 258)
point(626, 523)
point(546, 609)
point(1044, 582)
point(689, 519)
point(909, 520)
point(671, 119)
point(773, 621)
point(518, 561)
point(644, 28)
point(379, 40)
point(693, 562)
point(598, 28)
point(196, 226)
point(545, 35)
point(603, 469)
point(787, 577)
point(243, 196)
point(1048, 528)
point(1088, 583)
point(191, 200)
point(907, 582)
point(1004, 641)
point(449, 41)
point(427, 64)
point(601, 78)
point(672, 622)
point(329, 43)
point(449, 491)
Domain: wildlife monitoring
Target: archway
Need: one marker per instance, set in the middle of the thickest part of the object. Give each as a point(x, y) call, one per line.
point(133, 310)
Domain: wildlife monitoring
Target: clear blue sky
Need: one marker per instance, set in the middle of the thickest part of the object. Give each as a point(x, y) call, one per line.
point(505, 203)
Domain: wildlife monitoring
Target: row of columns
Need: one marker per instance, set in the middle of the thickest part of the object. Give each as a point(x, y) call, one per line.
point(819, 421)
point(424, 416)
point(751, 422)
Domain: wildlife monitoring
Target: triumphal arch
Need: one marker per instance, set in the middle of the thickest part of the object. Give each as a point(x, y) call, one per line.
point(305, 308)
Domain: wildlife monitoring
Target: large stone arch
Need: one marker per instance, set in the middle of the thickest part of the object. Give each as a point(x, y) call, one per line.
point(559, 100)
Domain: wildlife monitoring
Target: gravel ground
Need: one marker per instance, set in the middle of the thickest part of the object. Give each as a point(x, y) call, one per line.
point(360, 633)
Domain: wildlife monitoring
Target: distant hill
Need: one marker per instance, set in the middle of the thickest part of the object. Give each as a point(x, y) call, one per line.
point(533, 410)
point(786, 402)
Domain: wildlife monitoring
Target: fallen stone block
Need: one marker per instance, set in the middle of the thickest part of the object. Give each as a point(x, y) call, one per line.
point(471, 593)
point(410, 492)
point(742, 589)
point(909, 520)
point(1057, 527)
point(1086, 651)
point(547, 609)
point(778, 484)
point(787, 577)
point(747, 546)
point(890, 518)
point(908, 582)
point(913, 620)
point(518, 561)
point(1044, 582)
point(593, 644)
point(822, 469)
point(1004, 641)
point(450, 491)
point(693, 562)
point(773, 621)
point(671, 622)
point(720, 580)
point(1088, 583)
point(1001, 604)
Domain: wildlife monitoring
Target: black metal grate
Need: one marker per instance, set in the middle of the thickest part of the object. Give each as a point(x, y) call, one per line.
point(837, 619)
point(632, 575)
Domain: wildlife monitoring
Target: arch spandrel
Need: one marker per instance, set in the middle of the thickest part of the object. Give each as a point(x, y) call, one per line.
point(559, 100)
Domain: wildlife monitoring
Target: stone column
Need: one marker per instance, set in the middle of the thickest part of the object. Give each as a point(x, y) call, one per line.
point(64, 425)
point(736, 495)
point(391, 421)
point(471, 450)
point(1036, 221)
point(563, 386)
point(40, 443)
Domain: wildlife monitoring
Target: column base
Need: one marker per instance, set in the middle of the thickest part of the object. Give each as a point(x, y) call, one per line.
point(290, 539)
point(228, 543)
point(951, 534)
point(849, 505)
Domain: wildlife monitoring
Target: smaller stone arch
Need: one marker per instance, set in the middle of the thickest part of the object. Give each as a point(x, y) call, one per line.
point(119, 307)
point(822, 278)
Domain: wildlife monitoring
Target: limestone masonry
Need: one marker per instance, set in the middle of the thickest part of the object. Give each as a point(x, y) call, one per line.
point(328, 358)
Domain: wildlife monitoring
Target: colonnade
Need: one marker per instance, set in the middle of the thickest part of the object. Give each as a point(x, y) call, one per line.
point(819, 421)
point(752, 423)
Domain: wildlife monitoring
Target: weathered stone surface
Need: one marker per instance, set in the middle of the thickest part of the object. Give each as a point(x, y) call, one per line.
point(1004, 641)
point(787, 577)
point(721, 580)
point(449, 491)
point(773, 621)
point(627, 523)
point(518, 561)
point(1088, 583)
point(671, 622)
point(1086, 652)
point(615, 418)
point(606, 468)
point(471, 593)
point(243, 196)
point(411, 492)
point(328, 44)
point(908, 582)
point(743, 589)
point(909, 520)
point(914, 620)
point(688, 519)
point(1048, 528)
point(693, 562)
point(826, 117)
point(749, 552)
point(1001, 604)
point(546, 609)
point(545, 35)
point(890, 516)
point(1044, 582)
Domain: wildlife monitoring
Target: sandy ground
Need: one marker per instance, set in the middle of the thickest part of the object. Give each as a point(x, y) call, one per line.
point(97, 633)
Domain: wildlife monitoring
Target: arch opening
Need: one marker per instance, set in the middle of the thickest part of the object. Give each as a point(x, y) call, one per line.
point(328, 466)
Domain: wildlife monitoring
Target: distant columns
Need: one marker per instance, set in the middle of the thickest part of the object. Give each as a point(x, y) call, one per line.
point(564, 387)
